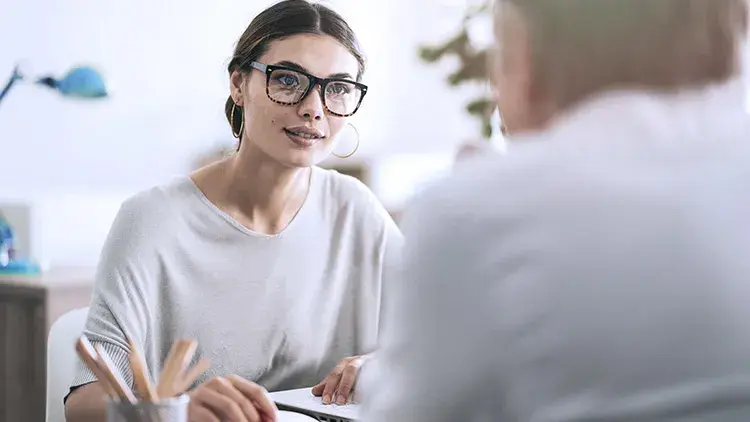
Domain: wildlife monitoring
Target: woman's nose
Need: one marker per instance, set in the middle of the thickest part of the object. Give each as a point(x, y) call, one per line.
point(312, 108)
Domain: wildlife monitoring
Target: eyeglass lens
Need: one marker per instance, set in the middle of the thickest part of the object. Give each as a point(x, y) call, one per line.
point(288, 87)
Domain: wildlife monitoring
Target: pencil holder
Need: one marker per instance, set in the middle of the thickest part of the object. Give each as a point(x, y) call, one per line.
point(169, 410)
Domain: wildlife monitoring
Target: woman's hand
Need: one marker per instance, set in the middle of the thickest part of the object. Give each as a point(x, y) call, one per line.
point(338, 386)
point(230, 399)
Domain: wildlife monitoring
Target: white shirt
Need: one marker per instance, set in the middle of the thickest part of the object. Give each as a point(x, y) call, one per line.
point(599, 271)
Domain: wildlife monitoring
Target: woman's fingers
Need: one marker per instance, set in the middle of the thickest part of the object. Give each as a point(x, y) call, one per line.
point(317, 391)
point(226, 388)
point(331, 383)
point(197, 413)
point(339, 384)
point(346, 383)
point(258, 395)
point(220, 405)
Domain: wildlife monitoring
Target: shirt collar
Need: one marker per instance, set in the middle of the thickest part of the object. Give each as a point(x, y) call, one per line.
point(655, 109)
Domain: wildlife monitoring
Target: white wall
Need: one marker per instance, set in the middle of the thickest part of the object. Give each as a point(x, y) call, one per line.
point(165, 62)
point(73, 162)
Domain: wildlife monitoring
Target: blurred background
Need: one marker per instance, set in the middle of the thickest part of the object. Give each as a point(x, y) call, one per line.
point(70, 155)
point(67, 164)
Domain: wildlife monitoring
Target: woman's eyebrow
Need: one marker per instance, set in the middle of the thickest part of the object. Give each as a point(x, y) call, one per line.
point(297, 66)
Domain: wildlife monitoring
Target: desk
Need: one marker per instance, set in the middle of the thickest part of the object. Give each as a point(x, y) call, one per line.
point(67, 288)
point(28, 306)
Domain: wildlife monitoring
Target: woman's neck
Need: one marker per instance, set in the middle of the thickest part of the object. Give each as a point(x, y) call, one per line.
point(257, 191)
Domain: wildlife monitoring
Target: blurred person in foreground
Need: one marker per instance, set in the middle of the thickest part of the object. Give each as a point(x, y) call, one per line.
point(600, 270)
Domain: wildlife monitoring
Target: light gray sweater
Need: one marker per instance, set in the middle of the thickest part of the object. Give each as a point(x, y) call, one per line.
point(279, 310)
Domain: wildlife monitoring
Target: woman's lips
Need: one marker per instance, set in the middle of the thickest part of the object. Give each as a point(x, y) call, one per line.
point(303, 136)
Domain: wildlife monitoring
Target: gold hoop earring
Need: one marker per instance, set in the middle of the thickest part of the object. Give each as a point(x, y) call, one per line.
point(355, 148)
point(237, 135)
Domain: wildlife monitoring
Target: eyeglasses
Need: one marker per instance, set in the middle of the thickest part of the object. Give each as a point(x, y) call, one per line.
point(287, 86)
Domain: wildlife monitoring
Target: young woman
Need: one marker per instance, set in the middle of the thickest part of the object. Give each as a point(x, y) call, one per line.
point(603, 260)
point(275, 266)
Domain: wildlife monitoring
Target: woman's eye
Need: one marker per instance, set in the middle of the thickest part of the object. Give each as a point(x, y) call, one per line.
point(289, 81)
point(338, 89)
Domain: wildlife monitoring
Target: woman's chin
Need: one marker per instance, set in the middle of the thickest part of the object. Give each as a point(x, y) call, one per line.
point(303, 158)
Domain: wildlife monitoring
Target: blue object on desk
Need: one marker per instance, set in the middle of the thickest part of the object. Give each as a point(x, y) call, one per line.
point(9, 262)
point(7, 252)
point(20, 267)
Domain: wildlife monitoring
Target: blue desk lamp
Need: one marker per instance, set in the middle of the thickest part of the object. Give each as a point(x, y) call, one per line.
point(80, 82)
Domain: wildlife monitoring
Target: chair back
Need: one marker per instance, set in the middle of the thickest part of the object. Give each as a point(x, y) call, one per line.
point(61, 360)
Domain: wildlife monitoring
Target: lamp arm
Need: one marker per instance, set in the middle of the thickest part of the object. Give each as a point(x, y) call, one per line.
point(15, 77)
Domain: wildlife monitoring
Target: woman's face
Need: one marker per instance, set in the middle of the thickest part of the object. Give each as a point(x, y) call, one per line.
point(303, 134)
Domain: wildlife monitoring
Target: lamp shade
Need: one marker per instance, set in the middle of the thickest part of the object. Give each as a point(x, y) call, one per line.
point(80, 82)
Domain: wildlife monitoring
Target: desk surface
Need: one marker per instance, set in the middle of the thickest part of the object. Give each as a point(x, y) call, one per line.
point(53, 278)
point(65, 289)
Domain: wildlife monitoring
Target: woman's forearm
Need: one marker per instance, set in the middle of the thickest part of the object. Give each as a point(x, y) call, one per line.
point(86, 404)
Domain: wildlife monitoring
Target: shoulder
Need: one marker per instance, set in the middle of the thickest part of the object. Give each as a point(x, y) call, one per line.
point(478, 180)
point(481, 190)
point(346, 198)
point(342, 187)
point(152, 211)
point(571, 171)
point(149, 205)
point(347, 193)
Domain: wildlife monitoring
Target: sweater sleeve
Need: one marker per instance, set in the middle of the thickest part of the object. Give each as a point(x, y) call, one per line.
point(124, 290)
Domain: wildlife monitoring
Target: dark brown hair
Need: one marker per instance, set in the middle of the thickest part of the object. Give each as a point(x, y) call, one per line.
point(282, 20)
point(583, 46)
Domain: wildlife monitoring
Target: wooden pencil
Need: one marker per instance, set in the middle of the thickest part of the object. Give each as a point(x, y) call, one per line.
point(141, 377)
point(171, 368)
point(113, 375)
point(90, 358)
point(192, 374)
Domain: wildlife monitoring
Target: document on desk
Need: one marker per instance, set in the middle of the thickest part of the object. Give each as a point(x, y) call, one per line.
point(304, 400)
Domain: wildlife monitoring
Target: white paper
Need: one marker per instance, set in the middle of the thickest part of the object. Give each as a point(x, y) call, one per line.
point(303, 398)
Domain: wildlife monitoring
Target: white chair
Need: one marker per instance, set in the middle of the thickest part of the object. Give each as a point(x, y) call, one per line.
point(61, 360)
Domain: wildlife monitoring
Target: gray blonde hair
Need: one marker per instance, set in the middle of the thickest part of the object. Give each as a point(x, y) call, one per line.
point(584, 46)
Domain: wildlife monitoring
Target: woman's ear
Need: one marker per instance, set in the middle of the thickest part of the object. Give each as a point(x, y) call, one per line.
point(236, 87)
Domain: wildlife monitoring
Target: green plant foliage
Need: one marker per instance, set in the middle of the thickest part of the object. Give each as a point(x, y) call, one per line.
point(473, 66)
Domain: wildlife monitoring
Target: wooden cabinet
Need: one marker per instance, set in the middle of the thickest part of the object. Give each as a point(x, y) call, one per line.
point(23, 364)
point(28, 307)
